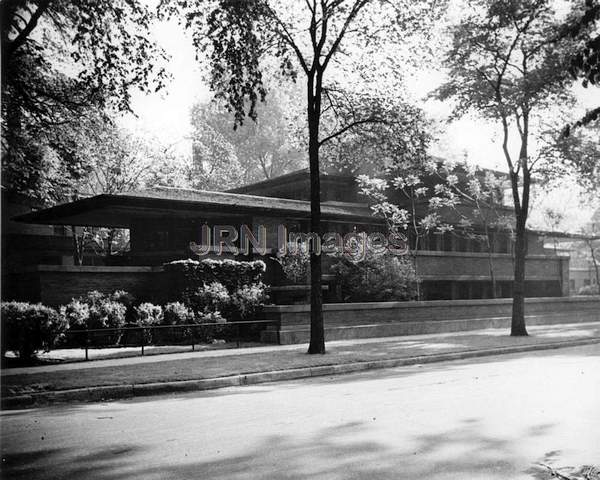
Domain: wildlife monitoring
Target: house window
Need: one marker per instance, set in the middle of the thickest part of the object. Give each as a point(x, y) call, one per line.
point(572, 284)
point(586, 282)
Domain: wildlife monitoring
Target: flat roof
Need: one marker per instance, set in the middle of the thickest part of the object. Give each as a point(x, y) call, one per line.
point(120, 210)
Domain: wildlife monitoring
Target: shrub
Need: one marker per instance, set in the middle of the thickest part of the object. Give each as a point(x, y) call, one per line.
point(248, 300)
point(93, 297)
point(127, 299)
point(96, 310)
point(27, 328)
point(76, 313)
point(210, 298)
point(176, 313)
point(123, 297)
point(207, 333)
point(148, 314)
point(378, 278)
point(232, 274)
point(295, 266)
point(107, 314)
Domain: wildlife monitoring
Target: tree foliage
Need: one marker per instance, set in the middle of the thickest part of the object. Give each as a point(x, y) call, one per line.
point(267, 147)
point(582, 26)
point(63, 65)
point(579, 156)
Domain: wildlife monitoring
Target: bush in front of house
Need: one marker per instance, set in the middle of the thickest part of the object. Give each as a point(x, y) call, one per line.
point(107, 314)
point(97, 311)
point(76, 313)
point(207, 330)
point(232, 274)
point(232, 288)
point(177, 313)
point(243, 303)
point(248, 300)
point(210, 297)
point(27, 328)
point(149, 315)
point(295, 266)
point(377, 278)
point(123, 297)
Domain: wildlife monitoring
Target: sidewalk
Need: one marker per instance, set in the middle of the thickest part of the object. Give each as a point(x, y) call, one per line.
point(125, 377)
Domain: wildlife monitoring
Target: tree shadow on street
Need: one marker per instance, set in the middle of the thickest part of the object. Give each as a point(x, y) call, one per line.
point(346, 451)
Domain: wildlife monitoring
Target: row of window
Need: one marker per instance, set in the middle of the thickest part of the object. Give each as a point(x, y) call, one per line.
point(465, 290)
point(499, 242)
point(178, 238)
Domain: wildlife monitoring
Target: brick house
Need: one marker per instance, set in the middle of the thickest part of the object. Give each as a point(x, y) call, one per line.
point(163, 221)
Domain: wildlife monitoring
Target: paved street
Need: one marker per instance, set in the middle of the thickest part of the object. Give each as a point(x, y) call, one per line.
point(483, 418)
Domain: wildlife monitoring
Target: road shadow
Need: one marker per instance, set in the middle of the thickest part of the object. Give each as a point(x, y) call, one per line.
point(345, 451)
point(60, 463)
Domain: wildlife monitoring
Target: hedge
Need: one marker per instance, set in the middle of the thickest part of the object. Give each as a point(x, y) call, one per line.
point(232, 274)
point(27, 328)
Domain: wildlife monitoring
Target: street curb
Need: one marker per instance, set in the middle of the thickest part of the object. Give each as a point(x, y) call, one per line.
point(116, 392)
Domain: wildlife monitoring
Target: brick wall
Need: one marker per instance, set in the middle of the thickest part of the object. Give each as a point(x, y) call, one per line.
point(56, 284)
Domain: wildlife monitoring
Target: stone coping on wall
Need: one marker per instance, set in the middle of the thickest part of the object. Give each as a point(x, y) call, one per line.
point(485, 278)
point(428, 303)
point(90, 269)
point(444, 253)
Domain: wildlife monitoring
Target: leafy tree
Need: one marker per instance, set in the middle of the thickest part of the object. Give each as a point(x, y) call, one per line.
point(480, 207)
point(266, 148)
point(409, 198)
point(578, 155)
point(119, 162)
point(585, 62)
point(63, 64)
point(376, 146)
point(504, 66)
point(303, 37)
point(215, 164)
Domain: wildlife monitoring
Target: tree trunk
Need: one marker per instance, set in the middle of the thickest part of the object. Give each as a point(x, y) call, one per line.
point(77, 247)
point(317, 328)
point(518, 312)
point(109, 240)
point(517, 327)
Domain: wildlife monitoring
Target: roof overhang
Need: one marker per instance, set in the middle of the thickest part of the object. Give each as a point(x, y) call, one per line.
point(122, 210)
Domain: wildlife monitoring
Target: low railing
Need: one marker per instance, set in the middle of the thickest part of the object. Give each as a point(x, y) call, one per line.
point(172, 335)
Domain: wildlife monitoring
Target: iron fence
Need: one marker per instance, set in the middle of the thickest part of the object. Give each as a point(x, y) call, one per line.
point(162, 335)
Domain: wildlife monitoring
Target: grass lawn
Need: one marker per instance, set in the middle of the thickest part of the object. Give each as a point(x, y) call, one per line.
point(198, 366)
